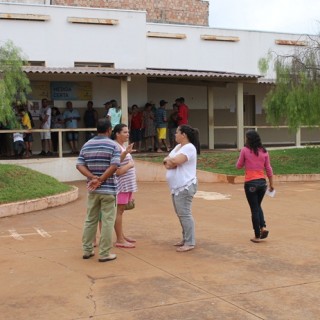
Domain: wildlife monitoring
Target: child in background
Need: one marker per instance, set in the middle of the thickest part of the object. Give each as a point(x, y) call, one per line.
point(18, 145)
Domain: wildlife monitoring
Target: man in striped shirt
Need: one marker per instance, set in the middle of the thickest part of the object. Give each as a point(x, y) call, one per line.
point(98, 160)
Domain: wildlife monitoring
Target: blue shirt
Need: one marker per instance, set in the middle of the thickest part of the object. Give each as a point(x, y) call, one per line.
point(74, 114)
point(161, 118)
point(98, 154)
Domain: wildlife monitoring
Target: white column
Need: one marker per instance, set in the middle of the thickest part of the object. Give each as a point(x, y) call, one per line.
point(298, 137)
point(124, 99)
point(240, 133)
point(210, 117)
point(60, 144)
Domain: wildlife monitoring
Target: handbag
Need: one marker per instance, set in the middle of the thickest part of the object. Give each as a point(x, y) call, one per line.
point(130, 205)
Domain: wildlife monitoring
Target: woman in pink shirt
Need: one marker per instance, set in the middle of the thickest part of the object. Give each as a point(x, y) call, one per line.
point(255, 159)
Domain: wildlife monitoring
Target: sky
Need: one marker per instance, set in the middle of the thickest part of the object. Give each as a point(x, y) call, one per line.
point(288, 16)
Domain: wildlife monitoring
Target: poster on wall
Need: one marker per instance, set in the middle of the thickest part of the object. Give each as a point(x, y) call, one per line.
point(40, 90)
point(34, 108)
point(71, 90)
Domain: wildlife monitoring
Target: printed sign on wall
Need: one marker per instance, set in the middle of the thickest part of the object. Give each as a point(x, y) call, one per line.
point(71, 91)
point(40, 90)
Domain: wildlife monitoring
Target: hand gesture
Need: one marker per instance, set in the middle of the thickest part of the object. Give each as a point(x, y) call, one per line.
point(130, 149)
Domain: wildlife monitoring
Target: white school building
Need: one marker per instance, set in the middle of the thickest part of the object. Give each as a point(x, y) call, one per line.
point(85, 53)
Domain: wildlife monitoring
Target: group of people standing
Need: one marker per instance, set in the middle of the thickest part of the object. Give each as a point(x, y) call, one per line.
point(107, 163)
point(111, 180)
point(52, 118)
point(152, 128)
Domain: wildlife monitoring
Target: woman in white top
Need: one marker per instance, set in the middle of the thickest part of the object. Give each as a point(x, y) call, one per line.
point(181, 165)
point(126, 183)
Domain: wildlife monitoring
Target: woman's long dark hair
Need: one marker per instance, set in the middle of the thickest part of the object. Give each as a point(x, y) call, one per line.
point(117, 129)
point(254, 142)
point(192, 134)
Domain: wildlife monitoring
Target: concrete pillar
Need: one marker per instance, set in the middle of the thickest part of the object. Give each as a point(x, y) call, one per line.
point(240, 132)
point(210, 117)
point(124, 99)
point(298, 138)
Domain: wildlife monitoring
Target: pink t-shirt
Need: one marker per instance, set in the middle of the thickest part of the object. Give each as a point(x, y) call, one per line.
point(255, 166)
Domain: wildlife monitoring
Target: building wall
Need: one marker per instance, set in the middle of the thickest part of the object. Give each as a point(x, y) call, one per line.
point(191, 12)
point(60, 43)
point(128, 44)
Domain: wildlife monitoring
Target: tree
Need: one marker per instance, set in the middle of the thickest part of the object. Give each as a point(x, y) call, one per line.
point(294, 99)
point(14, 83)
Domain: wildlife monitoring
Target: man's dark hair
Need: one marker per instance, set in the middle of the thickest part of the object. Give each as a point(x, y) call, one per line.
point(103, 125)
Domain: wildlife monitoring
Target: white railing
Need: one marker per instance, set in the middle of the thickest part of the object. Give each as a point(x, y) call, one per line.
point(60, 132)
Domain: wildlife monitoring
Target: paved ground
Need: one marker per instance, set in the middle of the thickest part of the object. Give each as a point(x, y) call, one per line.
point(43, 275)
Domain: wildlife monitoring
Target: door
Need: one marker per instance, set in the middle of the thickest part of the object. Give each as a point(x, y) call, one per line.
point(249, 110)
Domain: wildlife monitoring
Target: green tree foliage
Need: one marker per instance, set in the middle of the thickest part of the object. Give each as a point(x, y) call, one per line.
point(14, 83)
point(294, 100)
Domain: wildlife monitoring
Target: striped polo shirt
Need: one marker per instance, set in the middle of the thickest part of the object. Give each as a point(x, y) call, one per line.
point(98, 154)
point(127, 182)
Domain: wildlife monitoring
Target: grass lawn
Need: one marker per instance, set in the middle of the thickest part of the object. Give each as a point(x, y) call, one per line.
point(18, 183)
point(283, 161)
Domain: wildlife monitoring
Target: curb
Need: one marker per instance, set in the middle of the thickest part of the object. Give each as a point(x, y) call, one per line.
point(155, 172)
point(11, 209)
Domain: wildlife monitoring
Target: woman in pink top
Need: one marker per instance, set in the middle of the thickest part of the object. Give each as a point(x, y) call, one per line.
point(255, 159)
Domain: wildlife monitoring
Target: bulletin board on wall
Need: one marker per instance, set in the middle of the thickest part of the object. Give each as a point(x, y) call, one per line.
point(57, 92)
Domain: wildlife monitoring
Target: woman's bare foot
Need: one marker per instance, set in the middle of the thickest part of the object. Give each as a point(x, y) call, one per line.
point(131, 240)
point(185, 248)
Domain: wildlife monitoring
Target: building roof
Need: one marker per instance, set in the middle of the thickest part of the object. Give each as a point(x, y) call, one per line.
point(150, 73)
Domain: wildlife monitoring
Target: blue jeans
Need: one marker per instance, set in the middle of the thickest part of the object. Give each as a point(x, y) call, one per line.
point(255, 191)
point(182, 205)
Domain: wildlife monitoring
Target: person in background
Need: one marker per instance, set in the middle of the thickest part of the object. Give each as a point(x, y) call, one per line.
point(114, 113)
point(136, 125)
point(71, 117)
point(183, 111)
point(18, 142)
point(149, 126)
point(173, 125)
point(90, 119)
point(161, 125)
point(18, 145)
point(45, 123)
point(181, 165)
point(107, 106)
point(26, 124)
point(57, 122)
point(255, 159)
point(98, 160)
point(126, 183)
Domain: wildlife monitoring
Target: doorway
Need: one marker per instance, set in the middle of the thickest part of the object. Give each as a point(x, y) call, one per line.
point(249, 110)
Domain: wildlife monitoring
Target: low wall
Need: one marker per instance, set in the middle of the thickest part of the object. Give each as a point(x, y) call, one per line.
point(14, 208)
point(64, 170)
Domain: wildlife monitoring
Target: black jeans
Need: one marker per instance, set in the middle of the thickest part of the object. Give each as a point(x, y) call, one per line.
point(255, 191)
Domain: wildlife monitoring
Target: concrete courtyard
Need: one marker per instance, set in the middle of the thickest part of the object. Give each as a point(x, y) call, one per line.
point(43, 275)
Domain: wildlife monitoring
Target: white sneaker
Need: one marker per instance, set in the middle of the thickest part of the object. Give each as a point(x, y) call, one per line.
point(110, 257)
